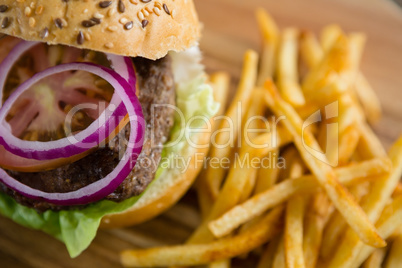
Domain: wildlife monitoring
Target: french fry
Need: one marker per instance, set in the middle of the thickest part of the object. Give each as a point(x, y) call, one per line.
point(349, 112)
point(340, 146)
point(398, 190)
point(307, 110)
point(337, 225)
point(293, 236)
point(270, 33)
point(220, 84)
point(254, 122)
point(327, 72)
point(266, 260)
point(279, 258)
point(394, 258)
point(376, 259)
point(279, 193)
point(220, 264)
point(289, 155)
point(373, 204)
point(215, 176)
point(368, 99)
point(328, 138)
point(336, 73)
point(369, 144)
point(234, 184)
point(267, 176)
point(316, 218)
point(364, 91)
point(329, 35)
point(348, 144)
point(237, 179)
point(190, 255)
point(249, 186)
point(390, 220)
point(324, 174)
point(287, 73)
point(310, 49)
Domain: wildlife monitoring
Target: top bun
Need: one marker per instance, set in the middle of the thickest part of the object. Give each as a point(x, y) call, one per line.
point(146, 28)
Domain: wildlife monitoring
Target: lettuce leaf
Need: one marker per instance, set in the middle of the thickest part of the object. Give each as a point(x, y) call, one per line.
point(77, 228)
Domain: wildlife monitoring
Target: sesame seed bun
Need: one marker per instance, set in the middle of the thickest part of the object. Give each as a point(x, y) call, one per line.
point(145, 28)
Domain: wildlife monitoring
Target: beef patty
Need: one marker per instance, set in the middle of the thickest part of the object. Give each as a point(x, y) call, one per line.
point(156, 86)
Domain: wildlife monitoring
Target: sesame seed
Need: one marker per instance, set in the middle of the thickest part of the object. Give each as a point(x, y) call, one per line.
point(129, 25)
point(98, 15)
point(109, 45)
point(27, 11)
point(135, 2)
point(165, 7)
point(157, 11)
point(31, 22)
point(80, 38)
point(32, 5)
point(96, 20)
point(5, 22)
point(39, 10)
point(173, 13)
point(87, 36)
point(44, 33)
point(141, 16)
point(111, 12)
point(58, 23)
point(146, 1)
point(121, 6)
point(146, 13)
point(149, 9)
point(87, 23)
point(3, 8)
point(112, 28)
point(144, 23)
point(105, 4)
point(64, 22)
point(123, 20)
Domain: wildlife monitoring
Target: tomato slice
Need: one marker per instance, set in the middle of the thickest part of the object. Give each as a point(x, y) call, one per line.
point(43, 112)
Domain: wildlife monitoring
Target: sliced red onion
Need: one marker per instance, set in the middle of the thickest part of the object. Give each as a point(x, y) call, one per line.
point(100, 189)
point(8, 63)
point(124, 67)
point(70, 146)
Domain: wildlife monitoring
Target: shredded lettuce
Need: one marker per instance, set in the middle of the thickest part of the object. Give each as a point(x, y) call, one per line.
point(77, 228)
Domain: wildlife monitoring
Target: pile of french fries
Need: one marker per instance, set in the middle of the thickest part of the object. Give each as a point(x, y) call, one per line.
point(339, 207)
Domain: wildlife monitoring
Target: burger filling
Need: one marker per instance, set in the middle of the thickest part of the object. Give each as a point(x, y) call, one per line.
point(156, 88)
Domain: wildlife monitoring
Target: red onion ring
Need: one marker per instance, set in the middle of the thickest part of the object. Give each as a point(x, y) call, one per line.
point(9, 61)
point(100, 189)
point(83, 141)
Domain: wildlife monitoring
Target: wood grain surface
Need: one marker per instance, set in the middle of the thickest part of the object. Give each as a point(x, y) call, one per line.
point(230, 29)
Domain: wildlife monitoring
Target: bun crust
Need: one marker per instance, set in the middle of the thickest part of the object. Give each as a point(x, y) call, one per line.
point(162, 194)
point(146, 28)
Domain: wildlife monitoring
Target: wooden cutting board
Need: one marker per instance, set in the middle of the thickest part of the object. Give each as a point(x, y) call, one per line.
point(230, 29)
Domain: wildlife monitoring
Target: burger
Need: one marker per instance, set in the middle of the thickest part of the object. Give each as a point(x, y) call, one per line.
point(96, 108)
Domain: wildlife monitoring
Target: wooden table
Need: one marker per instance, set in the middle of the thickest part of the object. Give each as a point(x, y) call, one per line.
point(229, 29)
